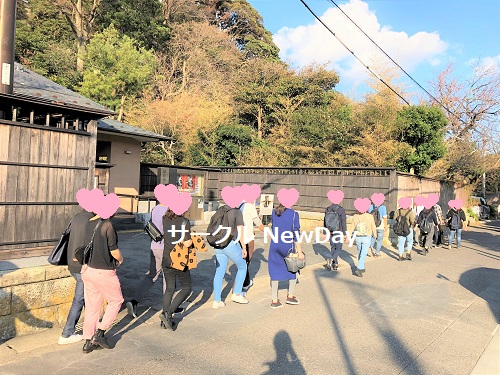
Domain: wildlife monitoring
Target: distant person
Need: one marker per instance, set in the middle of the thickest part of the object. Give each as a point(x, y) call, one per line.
point(101, 283)
point(427, 222)
point(455, 219)
point(78, 237)
point(177, 228)
point(283, 220)
point(440, 228)
point(335, 221)
point(408, 223)
point(155, 259)
point(380, 217)
point(250, 218)
point(365, 229)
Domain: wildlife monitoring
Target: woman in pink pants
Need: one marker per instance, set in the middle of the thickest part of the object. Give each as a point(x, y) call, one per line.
point(101, 283)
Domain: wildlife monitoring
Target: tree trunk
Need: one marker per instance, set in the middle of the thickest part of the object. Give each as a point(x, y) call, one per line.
point(120, 114)
point(80, 36)
point(259, 124)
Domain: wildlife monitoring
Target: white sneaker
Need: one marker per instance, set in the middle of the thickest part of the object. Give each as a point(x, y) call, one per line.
point(69, 340)
point(217, 305)
point(238, 298)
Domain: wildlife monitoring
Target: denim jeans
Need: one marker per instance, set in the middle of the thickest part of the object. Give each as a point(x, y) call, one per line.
point(377, 242)
point(76, 307)
point(409, 242)
point(233, 252)
point(336, 248)
point(458, 233)
point(363, 243)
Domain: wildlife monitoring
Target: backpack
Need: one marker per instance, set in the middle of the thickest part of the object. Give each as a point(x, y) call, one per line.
point(332, 219)
point(361, 229)
point(455, 221)
point(401, 226)
point(425, 225)
point(376, 216)
point(219, 219)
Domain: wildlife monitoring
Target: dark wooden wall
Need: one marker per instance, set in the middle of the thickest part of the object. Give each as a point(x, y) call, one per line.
point(41, 169)
point(313, 184)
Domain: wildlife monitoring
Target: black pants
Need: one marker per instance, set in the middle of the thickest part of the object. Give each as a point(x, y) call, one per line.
point(250, 247)
point(439, 235)
point(184, 277)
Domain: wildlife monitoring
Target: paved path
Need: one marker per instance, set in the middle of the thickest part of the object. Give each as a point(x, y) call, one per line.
point(434, 315)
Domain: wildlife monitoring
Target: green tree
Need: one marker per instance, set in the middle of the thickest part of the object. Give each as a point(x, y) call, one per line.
point(115, 68)
point(423, 128)
point(141, 20)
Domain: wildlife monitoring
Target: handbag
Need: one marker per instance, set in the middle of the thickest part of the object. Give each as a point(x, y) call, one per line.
point(292, 261)
point(152, 231)
point(58, 255)
point(83, 254)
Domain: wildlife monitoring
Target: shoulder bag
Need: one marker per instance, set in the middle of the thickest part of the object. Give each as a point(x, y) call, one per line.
point(58, 255)
point(152, 231)
point(83, 254)
point(292, 261)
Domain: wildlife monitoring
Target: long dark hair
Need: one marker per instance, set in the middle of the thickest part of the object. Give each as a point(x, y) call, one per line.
point(279, 210)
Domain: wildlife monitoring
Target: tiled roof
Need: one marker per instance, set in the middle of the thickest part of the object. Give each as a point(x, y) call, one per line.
point(33, 86)
point(114, 126)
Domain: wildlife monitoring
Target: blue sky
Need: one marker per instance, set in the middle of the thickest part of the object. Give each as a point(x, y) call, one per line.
point(423, 36)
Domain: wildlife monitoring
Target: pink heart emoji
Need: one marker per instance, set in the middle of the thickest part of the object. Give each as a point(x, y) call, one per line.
point(252, 193)
point(232, 196)
point(335, 196)
point(166, 193)
point(107, 206)
point(378, 199)
point(433, 199)
point(88, 199)
point(459, 204)
point(418, 200)
point(288, 197)
point(452, 203)
point(404, 202)
point(362, 204)
point(428, 203)
point(180, 203)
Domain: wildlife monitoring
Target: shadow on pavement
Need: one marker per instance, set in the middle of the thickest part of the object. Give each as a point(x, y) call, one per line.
point(481, 282)
point(396, 347)
point(286, 361)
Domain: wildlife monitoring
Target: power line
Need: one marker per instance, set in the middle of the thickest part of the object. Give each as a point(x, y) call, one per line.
point(390, 58)
point(352, 52)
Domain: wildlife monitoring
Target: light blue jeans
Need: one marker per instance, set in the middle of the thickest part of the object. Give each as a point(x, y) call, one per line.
point(363, 244)
point(409, 242)
point(458, 233)
point(378, 240)
point(233, 252)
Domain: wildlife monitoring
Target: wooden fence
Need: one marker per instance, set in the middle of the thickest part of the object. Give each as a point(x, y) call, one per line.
point(41, 169)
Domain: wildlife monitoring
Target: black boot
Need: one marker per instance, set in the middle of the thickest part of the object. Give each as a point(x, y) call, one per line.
point(167, 321)
point(100, 339)
point(89, 346)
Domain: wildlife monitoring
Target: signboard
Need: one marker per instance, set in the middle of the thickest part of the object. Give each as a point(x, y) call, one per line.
point(188, 183)
point(266, 204)
point(5, 74)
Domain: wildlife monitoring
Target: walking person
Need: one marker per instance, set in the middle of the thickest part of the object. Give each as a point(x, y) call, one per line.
point(440, 228)
point(335, 221)
point(236, 252)
point(177, 233)
point(404, 219)
point(250, 218)
point(365, 229)
point(101, 283)
point(155, 259)
point(78, 237)
point(379, 214)
point(456, 222)
point(427, 222)
point(283, 220)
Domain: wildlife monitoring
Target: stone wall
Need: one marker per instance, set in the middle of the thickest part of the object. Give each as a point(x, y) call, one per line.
point(33, 299)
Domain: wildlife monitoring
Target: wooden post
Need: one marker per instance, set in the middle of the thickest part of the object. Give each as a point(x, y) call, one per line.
point(14, 114)
point(47, 119)
point(32, 116)
point(63, 122)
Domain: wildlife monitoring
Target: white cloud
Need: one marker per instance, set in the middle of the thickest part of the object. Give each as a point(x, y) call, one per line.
point(313, 43)
point(485, 63)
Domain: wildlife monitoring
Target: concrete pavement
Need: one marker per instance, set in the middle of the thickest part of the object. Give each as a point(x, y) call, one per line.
point(437, 314)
